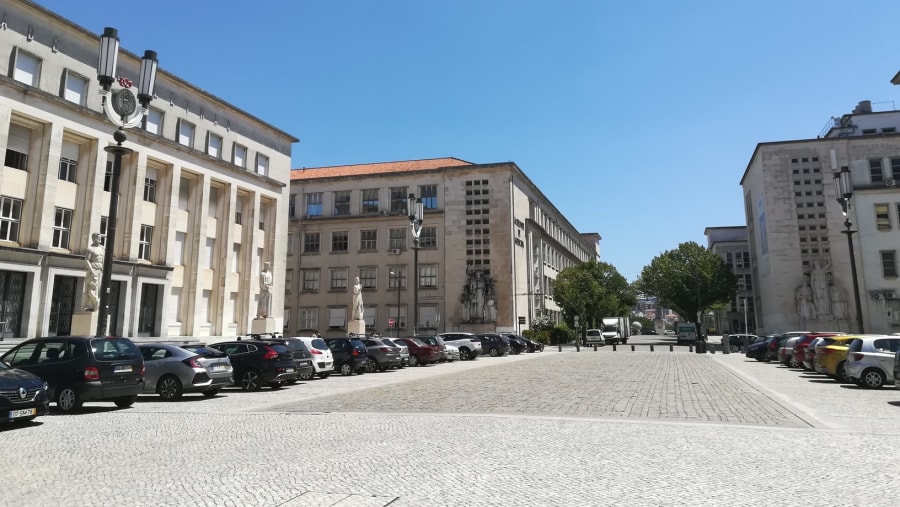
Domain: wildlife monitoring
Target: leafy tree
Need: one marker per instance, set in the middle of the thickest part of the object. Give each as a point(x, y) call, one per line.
point(592, 290)
point(689, 279)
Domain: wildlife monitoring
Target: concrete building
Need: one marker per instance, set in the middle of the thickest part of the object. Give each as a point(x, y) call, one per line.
point(799, 252)
point(203, 195)
point(730, 243)
point(491, 243)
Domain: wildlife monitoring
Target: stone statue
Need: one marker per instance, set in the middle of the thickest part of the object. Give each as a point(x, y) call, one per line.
point(358, 308)
point(806, 308)
point(265, 292)
point(838, 302)
point(819, 281)
point(93, 260)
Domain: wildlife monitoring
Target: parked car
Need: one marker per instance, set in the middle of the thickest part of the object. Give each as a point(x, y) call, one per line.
point(468, 344)
point(896, 366)
point(404, 350)
point(452, 352)
point(870, 360)
point(259, 362)
point(809, 360)
point(23, 395)
point(649, 332)
point(737, 341)
point(533, 345)
point(759, 350)
point(494, 344)
point(438, 342)
point(350, 355)
point(420, 353)
point(831, 354)
point(322, 358)
point(382, 357)
point(517, 344)
point(798, 354)
point(170, 371)
point(302, 357)
point(80, 369)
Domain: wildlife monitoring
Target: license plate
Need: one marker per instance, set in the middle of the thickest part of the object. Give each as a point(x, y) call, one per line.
point(217, 367)
point(122, 368)
point(289, 370)
point(25, 412)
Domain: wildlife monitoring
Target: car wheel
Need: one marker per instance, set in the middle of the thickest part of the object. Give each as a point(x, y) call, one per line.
point(210, 393)
point(346, 369)
point(841, 375)
point(371, 365)
point(125, 401)
point(872, 378)
point(250, 381)
point(794, 364)
point(413, 361)
point(169, 388)
point(495, 352)
point(67, 399)
point(464, 354)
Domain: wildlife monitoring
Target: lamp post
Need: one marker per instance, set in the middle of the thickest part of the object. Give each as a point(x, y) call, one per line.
point(416, 211)
point(397, 278)
point(843, 187)
point(120, 107)
point(744, 303)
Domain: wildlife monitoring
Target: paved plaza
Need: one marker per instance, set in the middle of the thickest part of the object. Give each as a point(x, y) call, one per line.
point(588, 428)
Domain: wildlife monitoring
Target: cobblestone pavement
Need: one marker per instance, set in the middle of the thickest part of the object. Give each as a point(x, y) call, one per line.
point(595, 428)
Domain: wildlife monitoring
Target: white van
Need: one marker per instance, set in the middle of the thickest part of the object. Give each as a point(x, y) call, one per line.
point(685, 332)
point(594, 337)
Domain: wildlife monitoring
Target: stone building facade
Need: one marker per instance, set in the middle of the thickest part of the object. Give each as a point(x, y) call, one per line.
point(730, 243)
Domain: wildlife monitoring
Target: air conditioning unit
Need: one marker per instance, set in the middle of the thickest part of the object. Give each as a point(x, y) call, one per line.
point(890, 295)
point(890, 183)
point(395, 251)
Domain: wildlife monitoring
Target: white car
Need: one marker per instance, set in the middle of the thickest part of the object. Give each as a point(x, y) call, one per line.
point(870, 360)
point(452, 352)
point(323, 360)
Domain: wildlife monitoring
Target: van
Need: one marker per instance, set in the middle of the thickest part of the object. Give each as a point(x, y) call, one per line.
point(685, 332)
point(593, 337)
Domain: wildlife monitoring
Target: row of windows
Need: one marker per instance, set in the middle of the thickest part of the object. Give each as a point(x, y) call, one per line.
point(369, 201)
point(368, 240)
point(338, 278)
point(877, 173)
point(308, 317)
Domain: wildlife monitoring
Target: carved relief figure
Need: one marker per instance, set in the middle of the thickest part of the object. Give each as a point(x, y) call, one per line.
point(838, 302)
point(805, 306)
point(93, 260)
point(358, 308)
point(819, 282)
point(265, 291)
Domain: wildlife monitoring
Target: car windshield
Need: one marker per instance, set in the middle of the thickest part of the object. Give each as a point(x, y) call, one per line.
point(204, 351)
point(114, 349)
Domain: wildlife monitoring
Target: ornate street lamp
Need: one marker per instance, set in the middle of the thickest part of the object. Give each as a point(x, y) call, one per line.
point(121, 108)
point(416, 210)
point(843, 187)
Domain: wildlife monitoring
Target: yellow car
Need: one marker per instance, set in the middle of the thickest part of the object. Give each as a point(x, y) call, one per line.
point(831, 355)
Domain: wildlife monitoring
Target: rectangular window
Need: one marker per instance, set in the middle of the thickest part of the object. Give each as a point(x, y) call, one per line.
point(882, 217)
point(290, 243)
point(338, 279)
point(10, 218)
point(314, 205)
point(875, 170)
point(153, 121)
point(340, 241)
point(889, 263)
point(369, 200)
point(310, 280)
point(214, 145)
point(341, 203)
point(239, 156)
point(145, 242)
point(311, 242)
point(212, 208)
point(104, 227)
point(428, 193)
point(74, 88)
point(399, 315)
point(895, 169)
point(398, 238)
point(898, 213)
point(108, 177)
point(428, 276)
point(292, 206)
point(368, 239)
point(309, 318)
point(62, 227)
point(262, 165)
point(185, 133)
point(150, 185)
point(398, 199)
point(428, 237)
point(337, 317)
point(238, 210)
point(288, 280)
point(367, 277)
point(68, 162)
point(17, 146)
point(396, 277)
point(27, 68)
point(748, 282)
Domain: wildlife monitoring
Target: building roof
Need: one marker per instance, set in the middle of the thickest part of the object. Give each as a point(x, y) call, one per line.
point(402, 166)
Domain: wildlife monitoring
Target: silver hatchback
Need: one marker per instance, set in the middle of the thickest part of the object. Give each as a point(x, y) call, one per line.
point(870, 360)
point(171, 370)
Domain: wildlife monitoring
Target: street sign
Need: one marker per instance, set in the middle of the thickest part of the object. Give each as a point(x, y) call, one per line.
point(391, 323)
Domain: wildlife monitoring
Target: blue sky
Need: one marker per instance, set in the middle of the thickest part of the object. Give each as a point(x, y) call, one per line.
point(635, 118)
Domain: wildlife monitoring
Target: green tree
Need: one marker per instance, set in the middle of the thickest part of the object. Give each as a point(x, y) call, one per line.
point(689, 279)
point(592, 290)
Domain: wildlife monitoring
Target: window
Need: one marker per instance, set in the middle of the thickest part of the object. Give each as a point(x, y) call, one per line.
point(104, 227)
point(336, 317)
point(212, 208)
point(398, 277)
point(153, 121)
point(74, 87)
point(108, 177)
point(239, 156)
point(895, 169)
point(10, 218)
point(340, 241)
point(214, 145)
point(428, 237)
point(238, 210)
point(338, 279)
point(68, 162)
point(27, 68)
point(150, 185)
point(898, 213)
point(368, 239)
point(889, 263)
point(398, 238)
point(311, 242)
point(292, 205)
point(367, 277)
point(310, 280)
point(882, 217)
point(875, 171)
point(428, 193)
point(62, 227)
point(748, 282)
point(262, 165)
point(290, 243)
point(428, 276)
point(369, 200)
point(399, 316)
point(17, 147)
point(288, 280)
point(398, 199)
point(185, 133)
point(341, 203)
point(309, 318)
point(145, 242)
point(314, 205)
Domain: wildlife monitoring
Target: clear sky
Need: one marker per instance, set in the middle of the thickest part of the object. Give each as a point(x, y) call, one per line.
point(636, 118)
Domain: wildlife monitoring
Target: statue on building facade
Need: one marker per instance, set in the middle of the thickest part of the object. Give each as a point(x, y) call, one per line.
point(265, 292)
point(93, 260)
point(358, 307)
point(819, 280)
point(838, 302)
point(806, 307)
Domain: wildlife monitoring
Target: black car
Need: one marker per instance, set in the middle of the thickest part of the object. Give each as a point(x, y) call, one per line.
point(533, 345)
point(82, 368)
point(302, 357)
point(494, 344)
point(517, 344)
point(23, 395)
point(258, 362)
point(350, 355)
point(760, 349)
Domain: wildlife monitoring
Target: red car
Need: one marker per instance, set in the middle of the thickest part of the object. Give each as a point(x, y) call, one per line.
point(420, 353)
point(799, 354)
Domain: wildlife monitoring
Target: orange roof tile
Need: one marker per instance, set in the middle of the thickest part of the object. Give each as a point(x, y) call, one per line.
point(376, 168)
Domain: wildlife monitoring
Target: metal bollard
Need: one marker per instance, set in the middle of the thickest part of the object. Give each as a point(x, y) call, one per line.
point(671, 348)
point(595, 347)
point(632, 348)
point(690, 348)
point(614, 347)
point(651, 348)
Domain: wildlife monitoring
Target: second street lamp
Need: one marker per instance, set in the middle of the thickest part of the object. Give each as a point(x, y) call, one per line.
point(416, 210)
point(843, 187)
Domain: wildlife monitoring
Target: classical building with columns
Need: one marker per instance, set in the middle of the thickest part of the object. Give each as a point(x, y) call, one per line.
point(203, 197)
point(489, 247)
